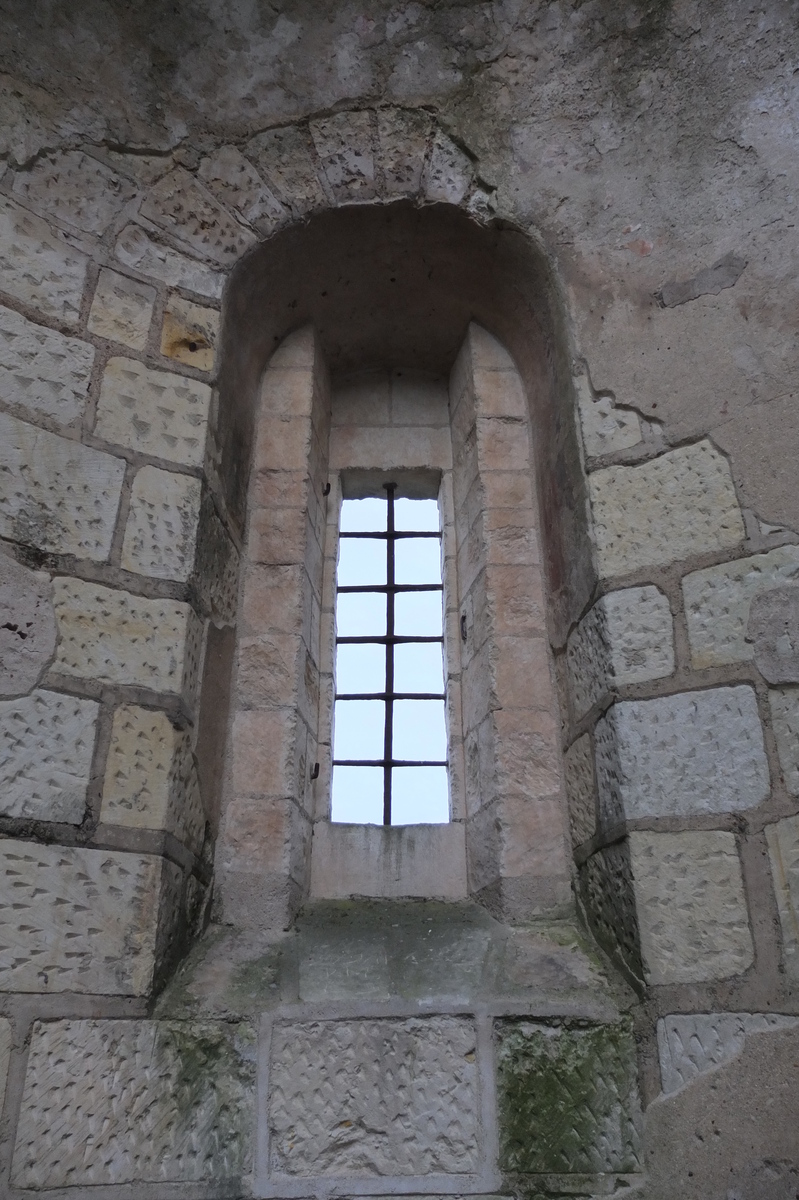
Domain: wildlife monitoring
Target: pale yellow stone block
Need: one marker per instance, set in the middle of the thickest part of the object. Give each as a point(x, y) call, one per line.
point(122, 309)
point(189, 333)
point(155, 412)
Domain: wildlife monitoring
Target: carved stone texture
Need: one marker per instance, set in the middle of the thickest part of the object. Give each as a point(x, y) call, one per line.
point(116, 637)
point(190, 333)
point(42, 371)
point(374, 1097)
point(161, 530)
point(774, 632)
point(6, 1042)
point(135, 249)
point(156, 1101)
point(216, 569)
point(448, 174)
point(783, 849)
point(76, 189)
point(695, 752)
point(568, 1098)
point(718, 602)
point(403, 136)
point(46, 746)
point(155, 412)
point(670, 508)
point(693, 1044)
point(784, 705)
point(606, 887)
point(581, 789)
point(78, 920)
point(606, 429)
point(151, 777)
point(56, 494)
point(122, 309)
point(181, 205)
point(37, 265)
point(344, 144)
point(284, 158)
point(691, 906)
point(27, 627)
point(235, 182)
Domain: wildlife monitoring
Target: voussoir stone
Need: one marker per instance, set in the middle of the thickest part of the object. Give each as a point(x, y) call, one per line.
point(156, 412)
point(46, 747)
point(42, 371)
point(38, 265)
point(180, 204)
point(27, 627)
point(135, 249)
point(783, 849)
point(75, 188)
point(161, 529)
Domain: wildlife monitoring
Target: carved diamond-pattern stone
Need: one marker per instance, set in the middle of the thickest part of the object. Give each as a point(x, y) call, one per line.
point(691, 1044)
point(46, 746)
point(374, 1097)
point(157, 412)
point(162, 524)
point(38, 266)
point(181, 205)
point(27, 627)
point(41, 370)
point(76, 189)
point(135, 249)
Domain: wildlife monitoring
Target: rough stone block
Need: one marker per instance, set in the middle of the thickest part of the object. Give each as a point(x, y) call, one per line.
point(56, 494)
point(695, 752)
point(448, 174)
point(670, 508)
point(159, 1102)
point(135, 249)
point(606, 428)
point(46, 746)
point(155, 412)
point(116, 637)
point(189, 333)
point(6, 1043)
point(692, 1044)
point(402, 140)
point(235, 182)
point(568, 1098)
point(122, 309)
point(718, 602)
point(78, 920)
point(27, 627)
point(76, 189)
point(37, 265)
point(627, 637)
point(606, 886)
point(783, 848)
point(216, 565)
point(773, 630)
point(784, 705)
point(181, 205)
point(151, 777)
point(407, 1090)
point(581, 789)
point(285, 159)
point(161, 529)
point(691, 906)
point(43, 371)
point(344, 145)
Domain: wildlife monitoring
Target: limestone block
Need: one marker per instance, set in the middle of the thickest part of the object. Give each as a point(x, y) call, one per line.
point(76, 189)
point(122, 309)
point(405, 1091)
point(581, 789)
point(372, 860)
point(56, 494)
point(151, 777)
point(116, 637)
point(773, 630)
point(783, 848)
point(448, 174)
point(695, 752)
point(784, 705)
point(718, 602)
point(285, 159)
point(606, 428)
point(680, 504)
point(344, 145)
point(155, 412)
point(135, 249)
point(606, 886)
point(568, 1098)
point(78, 920)
point(691, 906)
point(161, 529)
point(692, 1044)
point(182, 206)
point(6, 1043)
point(27, 627)
point(189, 333)
point(627, 637)
point(235, 182)
point(159, 1101)
point(37, 264)
point(46, 746)
point(402, 137)
point(43, 371)
point(216, 565)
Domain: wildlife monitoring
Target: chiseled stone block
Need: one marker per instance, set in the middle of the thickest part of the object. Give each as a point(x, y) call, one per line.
point(190, 333)
point(449, 172)
point(605, 427)
point(402, 140)
point(783, 848)
point(117, 637)
point(784, 705)
point(691, 906)
point(78, 920)
point(680, 504)
point(693, 1043)
point(46, 747)
point(235, 182)
point(38, 265)
point(344, 145)
point(407, 1090)
point(43, 371)
point(578, 763)
point(606, 886)
point(57, 494)
point(27, 627)
point(122, 309)
point(157, 1101)
point(75, 188)
point(181, 205)
point(156, 412)
point(695, 752)
point(135, 249)
point(161, 531)
point(774, 632)
point(6, 1043)
point(718, 601)
point(284, 158)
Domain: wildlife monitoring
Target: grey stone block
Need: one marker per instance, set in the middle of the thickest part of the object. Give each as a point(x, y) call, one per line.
point(76, 189)
point(773, 630)
point(161, 529)
point(692, 1044)
point(41, 370)
point(180, 205)
point(38, 265)
point(156, 412)
point(135, 249)
point(784, 705)
point(783, 849)
point(27, 627)
point(46, 747)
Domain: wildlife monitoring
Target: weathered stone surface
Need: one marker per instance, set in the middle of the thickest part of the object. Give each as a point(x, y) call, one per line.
point(605, 427)
point(189, 333)
point(120, 638)
point(718, 602)
point(691, 906)
point(6, 1043)
point(161, 529)
point(578, 762)
point(160, 1102)
point(370, 860)
point(76, 189)
point(122, 309)
point(672, 507)
point(43, 371)
point(151, 777)
point(568, 1098)
point(37, 265)
point(448, 174)
point(723, 274)
point(773, 630)
point(78, 920)
point(783, 848)
point(784, 705)
point(402, 140)
point(606, 885)
point(216, 568)
point(156, 412)
point(284, 159)
point(627, 637)
point(235, 182)
point(344, 145)
point(695, 752)
point(27, 627)
point(135, 249)
point(56, 494)
point(690, 1045)
point(406, 1088)
point(180, 205)
point(46, 746)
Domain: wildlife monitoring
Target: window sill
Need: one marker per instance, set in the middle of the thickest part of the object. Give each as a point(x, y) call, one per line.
point(388, 862)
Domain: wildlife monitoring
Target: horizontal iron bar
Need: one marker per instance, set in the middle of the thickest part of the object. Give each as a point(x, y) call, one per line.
point(394, 587)
point(398, 533)
point(390, 762)
point(399, 639)
point(390, 696)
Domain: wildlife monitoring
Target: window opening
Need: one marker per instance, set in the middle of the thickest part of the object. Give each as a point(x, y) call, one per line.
point(390, 745)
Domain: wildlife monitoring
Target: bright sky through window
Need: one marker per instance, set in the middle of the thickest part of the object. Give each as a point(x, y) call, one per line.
point(390, 743)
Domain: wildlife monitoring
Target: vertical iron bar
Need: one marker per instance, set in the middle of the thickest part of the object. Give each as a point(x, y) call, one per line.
point(388, 742)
